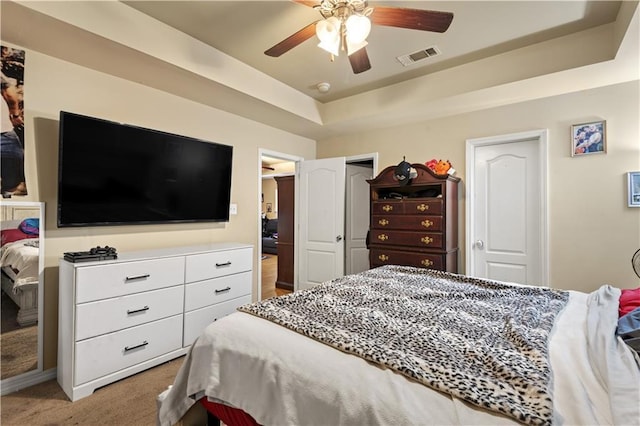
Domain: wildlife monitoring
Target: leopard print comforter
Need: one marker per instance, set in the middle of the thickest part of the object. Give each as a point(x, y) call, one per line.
point(483, 341)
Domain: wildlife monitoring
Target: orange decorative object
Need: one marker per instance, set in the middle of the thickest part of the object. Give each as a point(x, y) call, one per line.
point(442, 167)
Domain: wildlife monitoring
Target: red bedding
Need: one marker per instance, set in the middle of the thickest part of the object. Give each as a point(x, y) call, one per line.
point(228, 415)
point(12, 235)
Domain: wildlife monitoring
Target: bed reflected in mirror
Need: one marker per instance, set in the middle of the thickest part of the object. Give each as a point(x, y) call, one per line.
point(22, 268)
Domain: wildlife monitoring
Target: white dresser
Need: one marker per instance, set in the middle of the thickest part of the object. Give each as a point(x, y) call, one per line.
point(119, 317)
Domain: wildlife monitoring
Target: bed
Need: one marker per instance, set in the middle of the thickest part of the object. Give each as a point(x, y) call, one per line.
point(401, 345)
point(19, 262)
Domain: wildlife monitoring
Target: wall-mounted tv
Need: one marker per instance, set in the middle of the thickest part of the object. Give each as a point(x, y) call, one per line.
point(118, 174)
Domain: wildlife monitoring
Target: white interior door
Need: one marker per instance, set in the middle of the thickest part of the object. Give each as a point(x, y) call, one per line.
point(321, 236)
point(506, 240)
point(357, 218)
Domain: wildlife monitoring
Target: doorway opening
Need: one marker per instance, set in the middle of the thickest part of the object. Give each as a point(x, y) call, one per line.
point(276, 217)
point(278, 170)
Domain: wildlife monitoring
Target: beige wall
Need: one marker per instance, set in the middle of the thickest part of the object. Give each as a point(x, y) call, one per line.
point(592, 232)
point(52, 85)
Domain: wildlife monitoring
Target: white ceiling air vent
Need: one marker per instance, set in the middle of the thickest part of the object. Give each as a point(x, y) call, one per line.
point(414, 57)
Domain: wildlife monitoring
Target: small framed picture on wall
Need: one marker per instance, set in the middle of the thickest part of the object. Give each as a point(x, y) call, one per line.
point(634, 189)
point(588, 138)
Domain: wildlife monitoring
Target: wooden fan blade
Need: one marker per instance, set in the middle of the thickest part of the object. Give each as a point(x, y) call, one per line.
point(292, 41)
point(307, 2)
point(413, 19)
point(360, 61)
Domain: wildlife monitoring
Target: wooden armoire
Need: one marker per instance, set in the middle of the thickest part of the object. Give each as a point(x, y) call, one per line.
point(414, 224)
point(285, 244)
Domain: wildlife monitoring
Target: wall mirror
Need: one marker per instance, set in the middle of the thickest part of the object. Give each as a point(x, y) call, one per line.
point(22, 274)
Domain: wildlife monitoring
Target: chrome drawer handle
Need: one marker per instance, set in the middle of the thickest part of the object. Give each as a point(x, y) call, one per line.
point(223, 290)
point(135, 311)
point(137, 277)
point(218, 265)
point(130, 348)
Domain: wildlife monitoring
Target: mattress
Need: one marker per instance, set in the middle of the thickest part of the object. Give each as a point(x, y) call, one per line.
point(281, 376)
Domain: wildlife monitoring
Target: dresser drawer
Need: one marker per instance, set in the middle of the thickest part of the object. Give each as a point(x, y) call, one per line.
point(414, 239)
point(407, 222)
point(119, 279)
point(387, 207)
point(416, 206)
point(196, 321)
point(216, 264)
point(109, 353)
point(423, 206)
point(208, 292)
point(379, 257)
point(108, 315)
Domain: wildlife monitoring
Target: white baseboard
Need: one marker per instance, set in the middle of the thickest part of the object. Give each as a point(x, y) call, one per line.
point(25, 380)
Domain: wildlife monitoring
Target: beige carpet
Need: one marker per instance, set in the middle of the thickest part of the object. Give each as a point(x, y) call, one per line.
point(131, 401)
point(18, 345)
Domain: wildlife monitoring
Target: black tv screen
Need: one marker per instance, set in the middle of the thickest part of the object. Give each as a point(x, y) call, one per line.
point(117, 174)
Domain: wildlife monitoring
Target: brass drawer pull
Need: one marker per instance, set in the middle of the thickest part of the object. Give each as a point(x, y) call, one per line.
point(387, 208)
point(422, 207)
point(383, 237)
point(426, 262)
point(426, 240)
point(427, 223)
point(383, 257)
point(383, 222)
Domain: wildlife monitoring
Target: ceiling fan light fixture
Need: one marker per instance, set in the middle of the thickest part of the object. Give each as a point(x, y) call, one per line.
point(333, 48)
point(328, 30)
point(358, 28)
point(354, 47)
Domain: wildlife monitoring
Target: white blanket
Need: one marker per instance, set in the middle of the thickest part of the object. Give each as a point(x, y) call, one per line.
point(283, 378)
point(22, 257)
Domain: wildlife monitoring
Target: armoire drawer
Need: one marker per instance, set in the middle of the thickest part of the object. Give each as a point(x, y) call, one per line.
point(423, 206)
point(111, 352)
point(407, 222)
point(407, 206)
point(216, 264)
point(208, 292)
point(387, 207)
point(418, 240)
point(196, 321)
point(119, 279)
point(109, 315)
point(379, 257)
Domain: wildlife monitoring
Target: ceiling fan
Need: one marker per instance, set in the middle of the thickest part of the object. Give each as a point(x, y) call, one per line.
point(346, 25)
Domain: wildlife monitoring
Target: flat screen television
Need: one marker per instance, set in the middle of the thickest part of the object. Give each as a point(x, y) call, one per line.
point(118, 174)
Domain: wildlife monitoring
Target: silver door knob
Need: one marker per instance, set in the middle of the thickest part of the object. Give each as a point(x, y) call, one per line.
point(339, 238)
point(480, 244)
